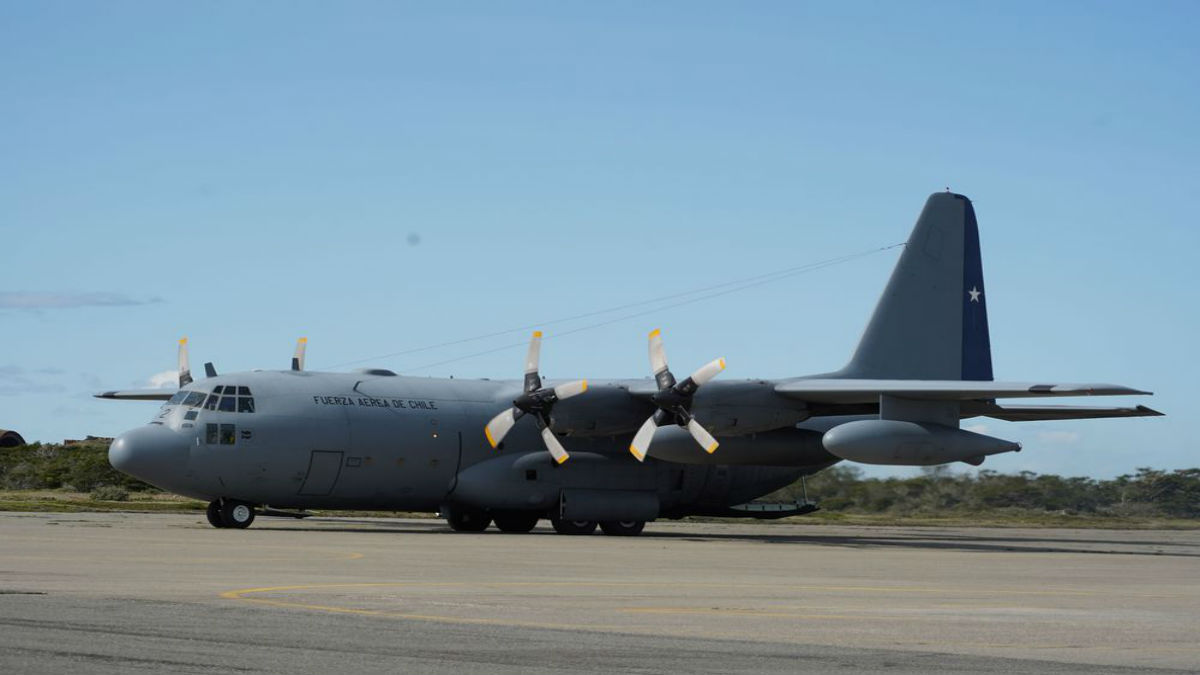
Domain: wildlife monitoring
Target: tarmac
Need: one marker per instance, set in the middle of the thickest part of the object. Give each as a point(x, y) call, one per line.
point(133, 592)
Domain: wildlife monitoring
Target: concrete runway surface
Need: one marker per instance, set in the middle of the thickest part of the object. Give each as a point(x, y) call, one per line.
point(119, 593)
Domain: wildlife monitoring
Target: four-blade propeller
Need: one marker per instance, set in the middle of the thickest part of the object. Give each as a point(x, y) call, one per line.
point(535, 401)
point(674, 400)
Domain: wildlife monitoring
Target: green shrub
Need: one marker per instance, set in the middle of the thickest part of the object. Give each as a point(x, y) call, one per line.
point(110, 493)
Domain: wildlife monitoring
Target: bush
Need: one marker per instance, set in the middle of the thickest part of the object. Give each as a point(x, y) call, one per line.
point(1148, 493)
point(50, 467)
point(110, 493)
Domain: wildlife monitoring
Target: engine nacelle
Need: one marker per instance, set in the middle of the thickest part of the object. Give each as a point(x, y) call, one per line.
point(910, 443)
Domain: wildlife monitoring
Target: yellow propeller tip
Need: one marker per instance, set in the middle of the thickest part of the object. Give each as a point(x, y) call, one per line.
point(562, 459)
point(488, 432)
point(712, 448)
point(656, 331)
point(722, 360)
point(537, 333)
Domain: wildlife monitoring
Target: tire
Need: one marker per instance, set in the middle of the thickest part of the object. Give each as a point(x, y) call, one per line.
point(622, 528)
point(573, 526)
point(213, 512)
point(467, 520)
point(518, 522)
point(237, 514)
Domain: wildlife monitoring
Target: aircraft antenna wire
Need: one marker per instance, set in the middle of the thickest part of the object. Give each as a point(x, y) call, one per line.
point(706, 293)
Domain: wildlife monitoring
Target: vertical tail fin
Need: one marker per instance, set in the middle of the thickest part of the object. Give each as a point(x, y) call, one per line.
point(931, 321)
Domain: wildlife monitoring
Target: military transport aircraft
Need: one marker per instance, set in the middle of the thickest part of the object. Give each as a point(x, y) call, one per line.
point(482, 452)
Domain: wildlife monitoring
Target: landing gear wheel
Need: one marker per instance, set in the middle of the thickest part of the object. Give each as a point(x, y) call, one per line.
point(213, 512)
point(237, 514)
point(467, 520)
point(515, 521)
point(622, 528)
point(573, 526)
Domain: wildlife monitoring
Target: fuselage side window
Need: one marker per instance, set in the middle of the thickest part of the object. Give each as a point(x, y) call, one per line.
point(211, 434)
point(228, 434)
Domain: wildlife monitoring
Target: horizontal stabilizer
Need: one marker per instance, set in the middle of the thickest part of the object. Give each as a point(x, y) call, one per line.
point(1033, 413)
point(138, 394)
point(868, 391)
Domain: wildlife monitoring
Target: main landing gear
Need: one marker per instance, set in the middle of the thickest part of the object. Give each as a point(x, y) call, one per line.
point(229, 513)
point(463, 519)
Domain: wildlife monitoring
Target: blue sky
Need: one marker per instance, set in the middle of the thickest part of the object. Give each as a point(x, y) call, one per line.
point(386, 176)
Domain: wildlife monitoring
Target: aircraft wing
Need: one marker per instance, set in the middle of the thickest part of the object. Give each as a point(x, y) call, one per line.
point(1034, 413)
point(868, 391)
point(138, 394)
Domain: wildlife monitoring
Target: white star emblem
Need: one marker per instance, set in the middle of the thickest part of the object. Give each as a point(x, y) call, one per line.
point(974, 293)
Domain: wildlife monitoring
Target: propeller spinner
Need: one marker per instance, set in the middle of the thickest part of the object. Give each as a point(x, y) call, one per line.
point(535, 401)
point(674, 400)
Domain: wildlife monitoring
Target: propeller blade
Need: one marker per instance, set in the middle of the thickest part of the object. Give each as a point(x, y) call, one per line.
point(569, 389)
point(702, 436)
point(185, 369)
point(556, 449)
point(298, 357)
point(533, 381)
point(641, 440)
point(708, 371)
point(658, 355)
point(500, 425)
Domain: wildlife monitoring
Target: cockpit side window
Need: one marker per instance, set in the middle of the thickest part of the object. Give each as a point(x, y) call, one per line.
point(194, 399)
point(245, 404)
point(211, 402)
point(178, 397)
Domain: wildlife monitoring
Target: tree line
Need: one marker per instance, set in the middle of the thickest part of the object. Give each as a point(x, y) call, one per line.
point(939, 490)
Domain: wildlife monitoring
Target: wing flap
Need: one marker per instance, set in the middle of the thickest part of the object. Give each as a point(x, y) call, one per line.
point(1033, 413)
point(867, 391)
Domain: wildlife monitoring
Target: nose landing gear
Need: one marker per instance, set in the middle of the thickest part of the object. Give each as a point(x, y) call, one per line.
point(229, 513)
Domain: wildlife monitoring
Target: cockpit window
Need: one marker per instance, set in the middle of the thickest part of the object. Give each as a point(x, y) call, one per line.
point(178, 397)
point(194, 399)
point(228, 404)
point(211, 402)
point(245, 404)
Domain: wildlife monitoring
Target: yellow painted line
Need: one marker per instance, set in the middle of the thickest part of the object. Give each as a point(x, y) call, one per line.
point(355, 556)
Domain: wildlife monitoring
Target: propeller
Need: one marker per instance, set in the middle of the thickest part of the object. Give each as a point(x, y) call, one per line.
point(535, 401)
point(674, 400)
point(298, 357)
point(185, 370)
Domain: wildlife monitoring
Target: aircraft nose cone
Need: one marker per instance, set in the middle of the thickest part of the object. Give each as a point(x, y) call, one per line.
point(151, 453)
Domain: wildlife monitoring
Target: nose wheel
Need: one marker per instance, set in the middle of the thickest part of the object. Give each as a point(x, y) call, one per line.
point(229, 513)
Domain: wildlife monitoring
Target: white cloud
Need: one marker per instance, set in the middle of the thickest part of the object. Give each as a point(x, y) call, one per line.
point(167, 379)
point(52, 300)
point(1058, 437)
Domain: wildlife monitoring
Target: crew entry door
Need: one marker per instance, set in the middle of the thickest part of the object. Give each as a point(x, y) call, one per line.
point(324, 467)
